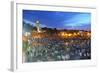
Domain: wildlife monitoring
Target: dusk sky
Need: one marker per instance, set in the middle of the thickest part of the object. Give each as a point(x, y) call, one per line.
point(58, 19)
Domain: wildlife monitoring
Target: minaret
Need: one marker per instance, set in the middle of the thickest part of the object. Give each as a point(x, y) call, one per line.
point(37, 24)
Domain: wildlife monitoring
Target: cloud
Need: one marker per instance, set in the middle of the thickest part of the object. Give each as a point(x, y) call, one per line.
point(32, 23)
point(29, 22)
point(78, 20)
point(43, 25)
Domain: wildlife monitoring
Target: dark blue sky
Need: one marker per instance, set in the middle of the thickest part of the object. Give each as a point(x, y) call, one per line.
point(58, 19)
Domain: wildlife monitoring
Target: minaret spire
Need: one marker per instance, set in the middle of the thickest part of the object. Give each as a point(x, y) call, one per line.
point(37, 24)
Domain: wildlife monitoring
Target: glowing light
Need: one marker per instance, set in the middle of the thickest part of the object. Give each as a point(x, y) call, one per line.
point(88, 34)
point(27, 34)
point(69, 35)
point(74, 34)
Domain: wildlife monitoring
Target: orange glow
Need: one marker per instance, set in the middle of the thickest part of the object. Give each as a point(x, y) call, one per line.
point(62, 34)
point(75, 34)
point(24, 38)
point(69, 34)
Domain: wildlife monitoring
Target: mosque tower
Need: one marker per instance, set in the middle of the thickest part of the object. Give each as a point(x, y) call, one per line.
point(37, 24)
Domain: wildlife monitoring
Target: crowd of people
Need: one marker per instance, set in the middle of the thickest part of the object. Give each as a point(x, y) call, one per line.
point(44, 49)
